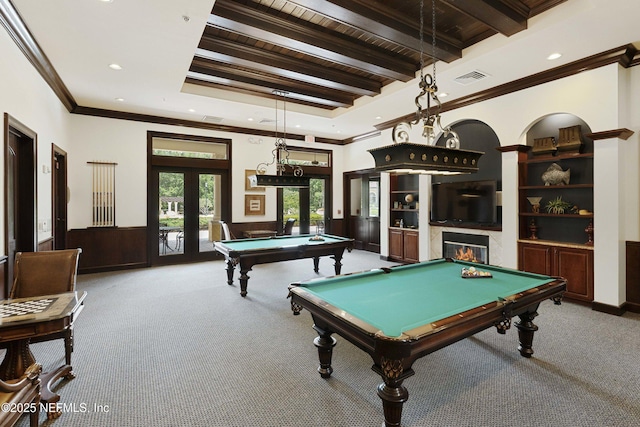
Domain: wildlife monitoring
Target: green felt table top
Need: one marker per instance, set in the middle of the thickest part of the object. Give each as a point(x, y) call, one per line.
point(280, 242)
point(418, 294)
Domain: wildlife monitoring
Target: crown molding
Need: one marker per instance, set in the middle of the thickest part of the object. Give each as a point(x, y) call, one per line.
point(626, 56)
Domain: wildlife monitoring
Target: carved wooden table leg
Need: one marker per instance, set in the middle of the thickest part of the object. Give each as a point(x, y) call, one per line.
point(526, 329)
point(325, 343)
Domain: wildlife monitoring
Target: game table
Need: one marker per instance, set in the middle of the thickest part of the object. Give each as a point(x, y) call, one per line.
point(249, 252)
point(400, 314)
point(22, 319)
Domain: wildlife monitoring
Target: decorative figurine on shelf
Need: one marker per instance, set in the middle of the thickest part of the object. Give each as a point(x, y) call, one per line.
point(554, 175)
point(589, 231)
point(535, 204)
point(533, 228)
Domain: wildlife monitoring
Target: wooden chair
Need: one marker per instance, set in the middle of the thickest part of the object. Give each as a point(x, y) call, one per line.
point(288, 227)
point(46, 273)
point(23, 392)
point(228, 235)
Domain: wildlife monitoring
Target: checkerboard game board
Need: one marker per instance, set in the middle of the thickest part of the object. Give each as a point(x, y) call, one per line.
point(27, 307)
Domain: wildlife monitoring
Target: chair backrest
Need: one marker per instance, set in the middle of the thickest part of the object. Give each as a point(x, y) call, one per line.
point(44, 273)
point(225, 230)
point(288, 226)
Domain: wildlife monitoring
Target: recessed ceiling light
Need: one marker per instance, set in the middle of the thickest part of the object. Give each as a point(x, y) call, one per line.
point(443, 95)
point(554, 56)
point(115, 66)
point(378, 117)
point(106, 1)
point(191, 110)
point(297, 126)
point(120, 99)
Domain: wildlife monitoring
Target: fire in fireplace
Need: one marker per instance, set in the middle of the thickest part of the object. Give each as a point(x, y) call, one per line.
point(466, 247)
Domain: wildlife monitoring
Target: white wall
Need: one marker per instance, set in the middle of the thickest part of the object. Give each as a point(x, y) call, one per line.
point(599, 97)
point(27, 98)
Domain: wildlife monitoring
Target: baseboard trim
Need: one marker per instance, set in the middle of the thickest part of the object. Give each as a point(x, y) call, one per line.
point(606, 308)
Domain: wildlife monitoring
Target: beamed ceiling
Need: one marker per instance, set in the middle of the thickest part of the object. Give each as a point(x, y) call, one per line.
point(327, 54)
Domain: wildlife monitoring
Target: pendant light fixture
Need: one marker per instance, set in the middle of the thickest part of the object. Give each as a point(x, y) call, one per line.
point(287, 174)
point(407, 157)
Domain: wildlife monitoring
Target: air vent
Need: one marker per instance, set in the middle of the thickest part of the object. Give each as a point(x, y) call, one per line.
point(212, 119)
point(267, 121)
point(471, 77)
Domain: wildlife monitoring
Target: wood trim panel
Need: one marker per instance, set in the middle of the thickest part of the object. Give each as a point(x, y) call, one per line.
point(609, 134)
point(45, 245)
point(633, 277)
point(112, 248)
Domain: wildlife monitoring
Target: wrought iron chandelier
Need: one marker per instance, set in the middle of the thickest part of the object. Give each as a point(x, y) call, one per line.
point(280, 158)
point(405, 156)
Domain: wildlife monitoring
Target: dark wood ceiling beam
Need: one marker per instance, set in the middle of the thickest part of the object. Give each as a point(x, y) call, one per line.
point(266, 84)
point(298, 37)
point(500, 16)
point(384, 22)
point(284, 66)
point(197, 79)
point(221, 70)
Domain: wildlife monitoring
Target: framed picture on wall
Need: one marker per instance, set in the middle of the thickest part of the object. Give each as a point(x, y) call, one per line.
point(254, 204)
point(247, 184)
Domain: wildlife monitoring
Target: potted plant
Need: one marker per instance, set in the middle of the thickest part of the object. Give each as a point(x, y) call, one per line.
point(558, 206)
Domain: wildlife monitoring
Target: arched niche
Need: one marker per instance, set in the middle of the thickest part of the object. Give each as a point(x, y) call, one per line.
point(549, 125)
point(477, 136)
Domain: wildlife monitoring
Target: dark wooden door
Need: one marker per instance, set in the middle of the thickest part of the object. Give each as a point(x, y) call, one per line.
point(362, 208)
point(20, 178)
point(59, 198)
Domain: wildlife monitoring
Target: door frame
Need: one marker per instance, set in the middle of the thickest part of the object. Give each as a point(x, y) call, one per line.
point(216, 166)
point(59, 197)
point(27, 193)
point(366, 175)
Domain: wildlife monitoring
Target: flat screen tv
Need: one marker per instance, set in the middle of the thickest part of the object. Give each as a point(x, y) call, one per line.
point(472, 202)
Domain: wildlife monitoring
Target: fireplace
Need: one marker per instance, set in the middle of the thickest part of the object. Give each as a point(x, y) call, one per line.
point(466, 247)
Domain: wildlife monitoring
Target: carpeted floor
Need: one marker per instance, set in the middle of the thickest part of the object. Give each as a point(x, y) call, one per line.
point(176, 345)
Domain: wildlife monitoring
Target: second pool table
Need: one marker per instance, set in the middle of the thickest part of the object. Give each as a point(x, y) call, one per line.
point(400, 314)
point(249, 252)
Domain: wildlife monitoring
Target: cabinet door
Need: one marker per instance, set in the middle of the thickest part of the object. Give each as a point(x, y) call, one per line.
point(411, 239)
point(396, 244)
point(576, 266)
point(535, 258)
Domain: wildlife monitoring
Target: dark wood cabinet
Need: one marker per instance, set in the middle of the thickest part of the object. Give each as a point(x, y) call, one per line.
point(573, 263)
point(403, 228)
point(557, 242)
point(404, 244)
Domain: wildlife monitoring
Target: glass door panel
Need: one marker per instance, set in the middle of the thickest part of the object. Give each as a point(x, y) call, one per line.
point(171, 191)
point(291, 207)
point(209, 199)
point(317, 200)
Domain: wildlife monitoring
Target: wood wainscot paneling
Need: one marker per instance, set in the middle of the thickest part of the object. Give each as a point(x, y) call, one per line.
point(45, 245)
point(633, 277)
point(109, 248)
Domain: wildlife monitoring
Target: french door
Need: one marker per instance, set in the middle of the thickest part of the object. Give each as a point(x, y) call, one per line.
point(310, 207)
point(362, 196)
point(189, 207)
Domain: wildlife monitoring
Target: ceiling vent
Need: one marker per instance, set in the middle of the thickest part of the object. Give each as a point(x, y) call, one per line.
point(267, 121)
point(471, 77)
point(212, 119)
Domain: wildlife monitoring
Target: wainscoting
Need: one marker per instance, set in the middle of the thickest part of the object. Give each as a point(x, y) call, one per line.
point(111, 248)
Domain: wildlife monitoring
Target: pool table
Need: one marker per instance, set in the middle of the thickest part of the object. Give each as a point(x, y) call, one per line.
point(400, 314)
point(249, 252)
